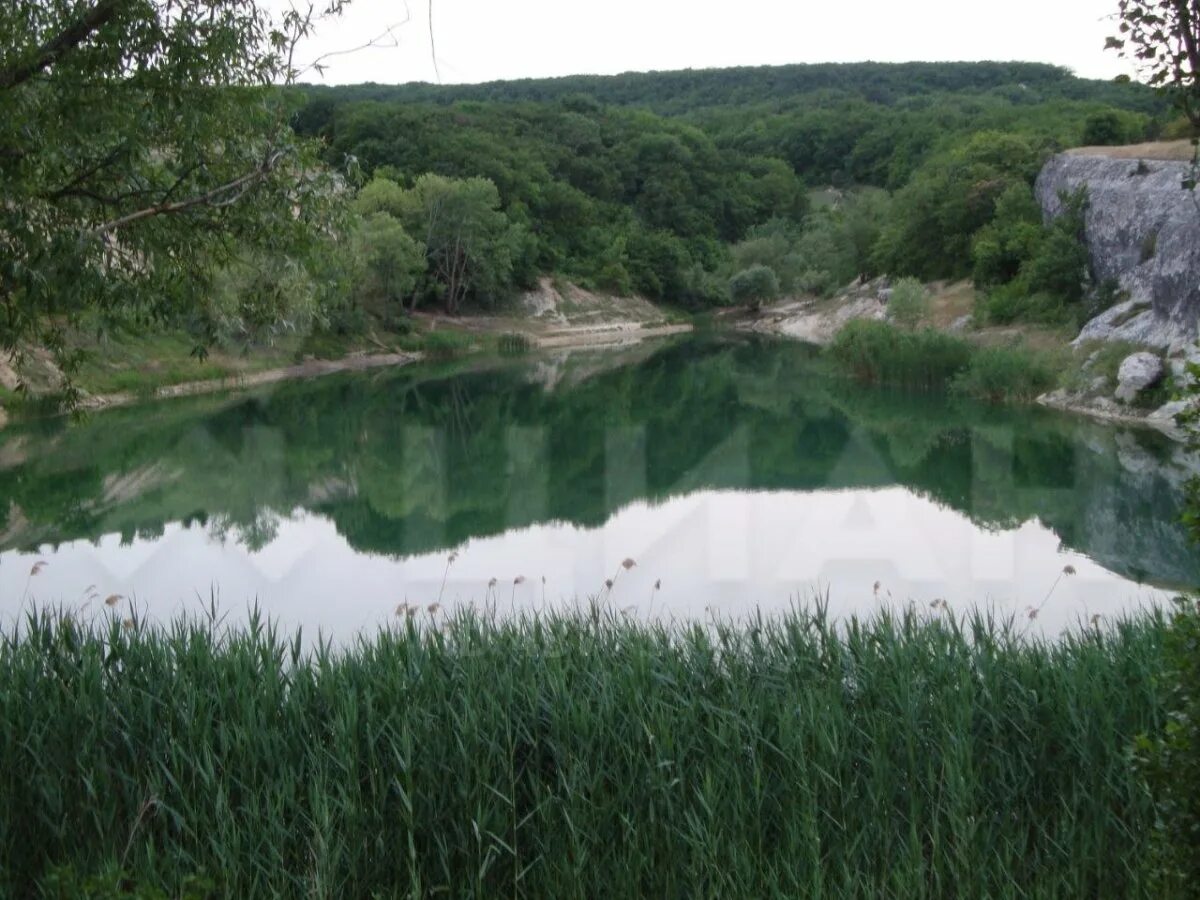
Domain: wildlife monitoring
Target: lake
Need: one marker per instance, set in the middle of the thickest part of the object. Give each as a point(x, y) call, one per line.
point(737, 474)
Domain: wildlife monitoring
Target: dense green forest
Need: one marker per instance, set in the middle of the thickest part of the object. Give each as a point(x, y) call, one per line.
point(690, 90)
point(676, 185)
point(695, 189)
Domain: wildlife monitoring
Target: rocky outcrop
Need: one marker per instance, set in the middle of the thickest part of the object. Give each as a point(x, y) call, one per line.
point(816, 320)
point(1138, 372)
point(1143, 233)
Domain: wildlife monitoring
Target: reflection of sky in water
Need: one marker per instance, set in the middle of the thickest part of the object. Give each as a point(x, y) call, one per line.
point(724, 552)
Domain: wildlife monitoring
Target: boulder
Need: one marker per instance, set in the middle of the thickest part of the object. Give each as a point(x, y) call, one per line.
point(1138, 371)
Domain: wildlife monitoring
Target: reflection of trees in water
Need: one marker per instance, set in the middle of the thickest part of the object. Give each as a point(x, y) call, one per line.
point(414, 462)
point(254, 535)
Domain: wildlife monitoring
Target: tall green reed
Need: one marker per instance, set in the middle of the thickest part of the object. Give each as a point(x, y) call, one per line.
point(580, 756)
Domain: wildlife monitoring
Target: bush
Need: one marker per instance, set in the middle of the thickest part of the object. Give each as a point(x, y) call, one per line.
point(1016, 303)
point(1169, 759)
point(1033, 272)
point(909, 303)
point(703, 289)
point(879, 353)
point(1060, 266)
point(1104, 128)
point(754, 286)
point(1005, 374)
point(445, 344)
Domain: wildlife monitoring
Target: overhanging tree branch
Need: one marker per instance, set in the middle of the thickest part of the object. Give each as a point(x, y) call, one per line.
point(61, 44)
point(223, 195)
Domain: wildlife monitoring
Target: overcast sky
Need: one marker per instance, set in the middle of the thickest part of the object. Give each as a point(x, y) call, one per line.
point(484, 40)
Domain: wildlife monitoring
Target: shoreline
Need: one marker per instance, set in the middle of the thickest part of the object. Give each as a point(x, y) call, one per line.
point(314, 368)
point(361, 362)
point(810, 320)
point(586, 337)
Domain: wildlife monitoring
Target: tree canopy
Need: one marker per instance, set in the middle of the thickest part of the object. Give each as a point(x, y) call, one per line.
point(142, 145)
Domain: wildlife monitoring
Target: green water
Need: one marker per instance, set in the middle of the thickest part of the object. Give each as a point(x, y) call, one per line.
point(737, 473)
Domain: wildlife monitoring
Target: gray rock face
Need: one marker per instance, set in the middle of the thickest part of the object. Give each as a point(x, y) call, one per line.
point(1180, 363)
point(1166, 416)
point(1143, 231)
point(1138, 371)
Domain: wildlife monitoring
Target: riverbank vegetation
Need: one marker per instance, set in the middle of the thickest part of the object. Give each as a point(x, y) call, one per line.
point(880, 353)
point(577, 755)
point(694, 190)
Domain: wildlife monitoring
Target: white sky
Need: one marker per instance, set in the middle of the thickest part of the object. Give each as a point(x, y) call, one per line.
point(484, 40)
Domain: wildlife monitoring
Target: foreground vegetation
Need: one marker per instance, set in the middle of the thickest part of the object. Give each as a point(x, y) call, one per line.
point(579, 756)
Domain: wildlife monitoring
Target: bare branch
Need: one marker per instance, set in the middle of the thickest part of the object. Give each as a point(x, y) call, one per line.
point(432, 46)
point(221, 196)
point(386, 38)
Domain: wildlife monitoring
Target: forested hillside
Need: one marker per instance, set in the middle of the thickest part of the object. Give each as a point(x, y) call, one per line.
point(675, 93)
point(675, 184)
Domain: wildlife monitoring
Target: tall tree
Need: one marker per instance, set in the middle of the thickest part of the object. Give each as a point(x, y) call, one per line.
point(142, 144)
point(470, 245)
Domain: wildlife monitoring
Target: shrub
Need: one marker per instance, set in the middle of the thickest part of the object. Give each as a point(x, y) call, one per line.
point(1060, 266)
point(703, 289)
point(754, 286)
point(1104, 128)
point(879, 353)
point(1033, 272)
point(1005, 374)
point(909, 303)
point(1014, 302)
point(445, 344)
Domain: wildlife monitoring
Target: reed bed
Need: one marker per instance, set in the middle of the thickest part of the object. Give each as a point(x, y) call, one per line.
point(579, 756)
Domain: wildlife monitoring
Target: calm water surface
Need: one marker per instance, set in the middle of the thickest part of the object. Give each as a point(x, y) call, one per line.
point(737, 474)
